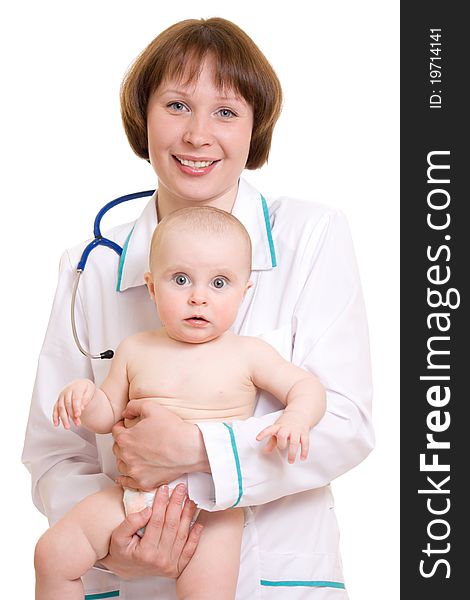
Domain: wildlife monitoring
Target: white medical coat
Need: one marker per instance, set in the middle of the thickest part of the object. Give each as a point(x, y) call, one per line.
point(306, 301)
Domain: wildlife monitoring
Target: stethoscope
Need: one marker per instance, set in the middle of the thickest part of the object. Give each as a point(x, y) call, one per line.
point(98, 240)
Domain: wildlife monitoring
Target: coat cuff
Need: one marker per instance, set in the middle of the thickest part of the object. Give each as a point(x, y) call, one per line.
point(224, 489)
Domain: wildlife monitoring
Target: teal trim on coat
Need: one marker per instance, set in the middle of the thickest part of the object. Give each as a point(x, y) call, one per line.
point(237, 464)
point(269, 232)
point(103, 595)
point(332, 584)
point(122, 259)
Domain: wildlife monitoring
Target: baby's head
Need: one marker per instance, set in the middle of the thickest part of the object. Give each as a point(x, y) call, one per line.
point(200, 265)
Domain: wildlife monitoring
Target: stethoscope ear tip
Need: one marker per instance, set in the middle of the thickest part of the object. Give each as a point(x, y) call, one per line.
point(107, 354)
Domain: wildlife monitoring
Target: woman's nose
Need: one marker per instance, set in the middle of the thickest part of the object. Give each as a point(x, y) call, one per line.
point(198, 131)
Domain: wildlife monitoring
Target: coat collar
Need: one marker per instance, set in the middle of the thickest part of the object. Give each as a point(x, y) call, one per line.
point(250, 208)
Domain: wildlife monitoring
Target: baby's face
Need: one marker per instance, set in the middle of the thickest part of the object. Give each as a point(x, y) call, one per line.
point(199, 281)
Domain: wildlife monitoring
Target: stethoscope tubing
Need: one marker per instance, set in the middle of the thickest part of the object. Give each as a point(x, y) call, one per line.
point(98, 240)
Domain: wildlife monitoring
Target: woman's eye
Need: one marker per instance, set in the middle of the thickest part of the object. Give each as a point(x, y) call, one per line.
point(219, 283)
point(181, 279)
point(177, 106)
point(226, 113)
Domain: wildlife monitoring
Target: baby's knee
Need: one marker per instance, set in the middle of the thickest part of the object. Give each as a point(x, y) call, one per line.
point(46, 554)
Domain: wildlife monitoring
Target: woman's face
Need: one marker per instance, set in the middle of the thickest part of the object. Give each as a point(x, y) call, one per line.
point(199, 139)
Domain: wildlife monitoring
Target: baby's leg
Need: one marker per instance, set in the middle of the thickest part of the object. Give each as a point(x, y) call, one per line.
point(73, 545)
point(213, 570)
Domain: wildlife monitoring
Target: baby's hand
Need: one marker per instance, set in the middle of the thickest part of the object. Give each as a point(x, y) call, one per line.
point(287, 432)
point(72, 400)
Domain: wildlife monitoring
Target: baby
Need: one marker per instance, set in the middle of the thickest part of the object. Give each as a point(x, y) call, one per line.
point(200, 264)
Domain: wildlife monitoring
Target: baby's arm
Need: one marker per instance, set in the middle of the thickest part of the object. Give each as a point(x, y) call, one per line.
point(299, 390)
point(97, 408)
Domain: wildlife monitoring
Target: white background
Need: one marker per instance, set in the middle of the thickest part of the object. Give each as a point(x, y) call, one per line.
point(64, 155)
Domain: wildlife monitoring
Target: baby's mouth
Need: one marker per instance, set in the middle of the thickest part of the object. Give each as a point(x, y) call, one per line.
point(197, 320)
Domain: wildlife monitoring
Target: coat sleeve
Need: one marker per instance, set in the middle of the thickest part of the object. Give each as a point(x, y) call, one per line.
point(64, 465)
point(330, 338)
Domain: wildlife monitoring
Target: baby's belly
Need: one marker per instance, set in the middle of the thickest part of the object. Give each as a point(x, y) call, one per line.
point(195, 412)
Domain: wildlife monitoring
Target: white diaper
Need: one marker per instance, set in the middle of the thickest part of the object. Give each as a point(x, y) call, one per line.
point(135, 501)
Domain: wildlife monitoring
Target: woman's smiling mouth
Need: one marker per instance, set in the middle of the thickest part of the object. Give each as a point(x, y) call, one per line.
point(200, 166)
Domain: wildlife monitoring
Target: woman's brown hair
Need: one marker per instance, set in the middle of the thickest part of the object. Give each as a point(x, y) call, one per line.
point(179, 51)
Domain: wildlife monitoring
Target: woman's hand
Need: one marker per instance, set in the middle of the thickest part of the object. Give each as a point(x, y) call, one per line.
point(159, 448)
point(167, 545)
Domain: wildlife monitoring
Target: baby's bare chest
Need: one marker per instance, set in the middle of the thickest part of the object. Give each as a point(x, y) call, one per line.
point(197, 385)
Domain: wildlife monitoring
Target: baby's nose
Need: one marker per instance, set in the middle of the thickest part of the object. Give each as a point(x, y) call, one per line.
point(197, 299)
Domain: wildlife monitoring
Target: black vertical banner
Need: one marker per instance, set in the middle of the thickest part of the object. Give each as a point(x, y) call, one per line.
point(435, 269)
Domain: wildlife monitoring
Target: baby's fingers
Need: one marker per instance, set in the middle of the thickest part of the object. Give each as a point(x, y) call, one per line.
point(78, 401)
point(282, 438)
point(55, 414)
point(68, 396)
point(64, 416)
point(293, 447)
point(77, 404)
point(304, 443)
point(269, 447)
point(267, 431)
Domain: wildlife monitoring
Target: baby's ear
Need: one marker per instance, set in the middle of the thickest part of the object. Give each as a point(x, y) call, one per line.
point(248, 285)
point(150, 285)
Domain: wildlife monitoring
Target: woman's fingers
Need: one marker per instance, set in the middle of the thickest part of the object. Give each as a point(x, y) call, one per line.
point(133, 409)
point(157, 521)
point(184, 529)
point(173, 516)
point(127, 482)
point(130, 526)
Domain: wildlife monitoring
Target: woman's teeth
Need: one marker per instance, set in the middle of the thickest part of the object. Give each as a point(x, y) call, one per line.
point(198, 164)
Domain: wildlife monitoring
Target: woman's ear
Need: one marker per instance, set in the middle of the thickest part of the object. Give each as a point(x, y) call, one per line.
point(150, 285)
point(248, 285)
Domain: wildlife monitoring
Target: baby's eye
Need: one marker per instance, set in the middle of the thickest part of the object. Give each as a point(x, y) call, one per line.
point(226, 113)
point(181, 279)
point(219, 282)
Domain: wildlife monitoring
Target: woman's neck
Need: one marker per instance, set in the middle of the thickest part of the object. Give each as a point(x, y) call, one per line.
point(168, 203)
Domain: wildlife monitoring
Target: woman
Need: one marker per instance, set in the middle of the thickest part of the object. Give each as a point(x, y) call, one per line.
point(200, 103)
